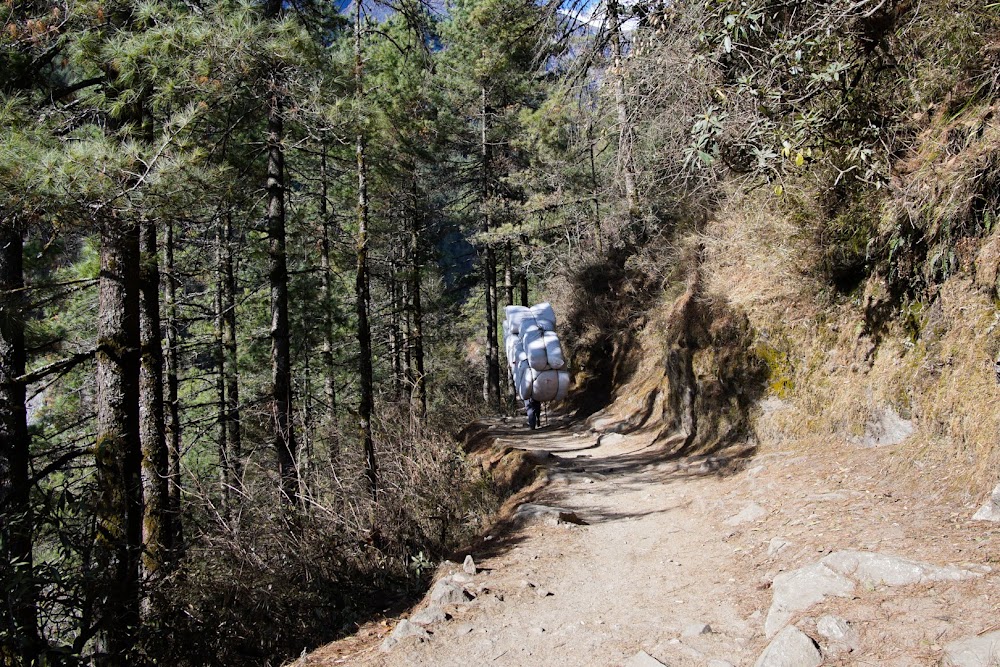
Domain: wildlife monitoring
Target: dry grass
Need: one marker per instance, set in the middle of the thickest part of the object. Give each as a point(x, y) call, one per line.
point(932, 365)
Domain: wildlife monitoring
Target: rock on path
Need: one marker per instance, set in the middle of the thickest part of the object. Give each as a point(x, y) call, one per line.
point(990, 511)
point(979, 651)
point(790, 648)
point(836, 574)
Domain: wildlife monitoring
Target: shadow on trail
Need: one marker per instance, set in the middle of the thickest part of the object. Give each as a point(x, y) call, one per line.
point(570, 454)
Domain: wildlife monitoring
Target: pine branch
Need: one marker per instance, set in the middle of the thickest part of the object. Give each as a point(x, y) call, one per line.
point(61, 366)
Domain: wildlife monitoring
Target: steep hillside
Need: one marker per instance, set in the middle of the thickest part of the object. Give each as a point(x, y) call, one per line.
point(750, 344)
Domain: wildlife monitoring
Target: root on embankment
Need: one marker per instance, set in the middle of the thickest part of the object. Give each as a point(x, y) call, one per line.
point(690, 376)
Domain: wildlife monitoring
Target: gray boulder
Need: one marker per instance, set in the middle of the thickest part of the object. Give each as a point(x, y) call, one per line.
point(553, 516)
point(696, 629)
point(777, 545)
point(876, 568)
point(836, 574)
point(886, 428)
point(750, 513)
point(976, 651)
point(790, 648)
point(643, 659)
point(990, 511)
point(800, 589)
point(403, 630)
point(447, 591)
point(842, 636)
point(429, 616)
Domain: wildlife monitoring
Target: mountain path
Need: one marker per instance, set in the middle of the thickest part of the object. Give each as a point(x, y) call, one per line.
point(675, 563)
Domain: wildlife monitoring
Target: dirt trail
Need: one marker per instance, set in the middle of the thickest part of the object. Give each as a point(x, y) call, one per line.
point(672, 546)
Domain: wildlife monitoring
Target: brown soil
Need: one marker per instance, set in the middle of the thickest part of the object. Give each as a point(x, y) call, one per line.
point(660, 554)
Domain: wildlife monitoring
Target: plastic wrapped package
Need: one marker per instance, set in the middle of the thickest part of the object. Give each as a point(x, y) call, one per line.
point(545, 385)
point(553, 350)
point(534, 346)
point(515, 317)
point(543, 311)
point(512, 347)
point(516, 361)
point(563, 385)
point(545, 325)
point(523, 377)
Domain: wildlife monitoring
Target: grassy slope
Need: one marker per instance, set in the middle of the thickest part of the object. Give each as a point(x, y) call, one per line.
point(836, 362)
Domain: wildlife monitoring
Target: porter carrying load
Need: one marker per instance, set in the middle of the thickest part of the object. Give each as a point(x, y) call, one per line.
point(534, 355)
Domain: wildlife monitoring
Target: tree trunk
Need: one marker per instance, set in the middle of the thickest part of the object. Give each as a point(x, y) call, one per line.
point(508, 275)
point(406, 326)
point(219, 352)
point(366, 403)
point(522, 279)
point(418, 397)
point(395, 335)
point(18, 614)
point(626, 160)
point(598, 232)
point(233, 437)
point(173, 420)
point(117, 451)
point(156, 532)
point(491, 391)
point(281, 358)
point(329, 371)
point(306, 461)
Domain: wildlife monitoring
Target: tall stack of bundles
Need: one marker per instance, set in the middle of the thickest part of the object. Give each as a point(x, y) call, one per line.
point(534, 355)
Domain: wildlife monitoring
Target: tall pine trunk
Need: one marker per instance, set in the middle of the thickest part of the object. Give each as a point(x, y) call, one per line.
point(173, 418)
point(219, 352)
point(156, 532)
point(117, 450)
point(329, 371)
point(491, 390)
point(366, 403)
point(18, 617)
point(399, 372)
point(626, 159)
point(234, 439)
point(281, 357)
point(418, 397)
point(508, 274)
point(598, 232)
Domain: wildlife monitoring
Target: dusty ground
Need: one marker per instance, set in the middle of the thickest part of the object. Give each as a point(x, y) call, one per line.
point(665, 551)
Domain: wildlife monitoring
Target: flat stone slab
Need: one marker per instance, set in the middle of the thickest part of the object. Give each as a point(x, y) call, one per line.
point(886, 429)
point(777, 545)
point(790, 648)
point(429, 616)
point(544, 514)
point(447, 591)
point(643, 659)
point(978, 651)
point(836, 575)
point(696, 630)
point(800, 589)
point(876, 568)
point(841, 635)
point(990, 511)
point(751, 512)
point(403, 630)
